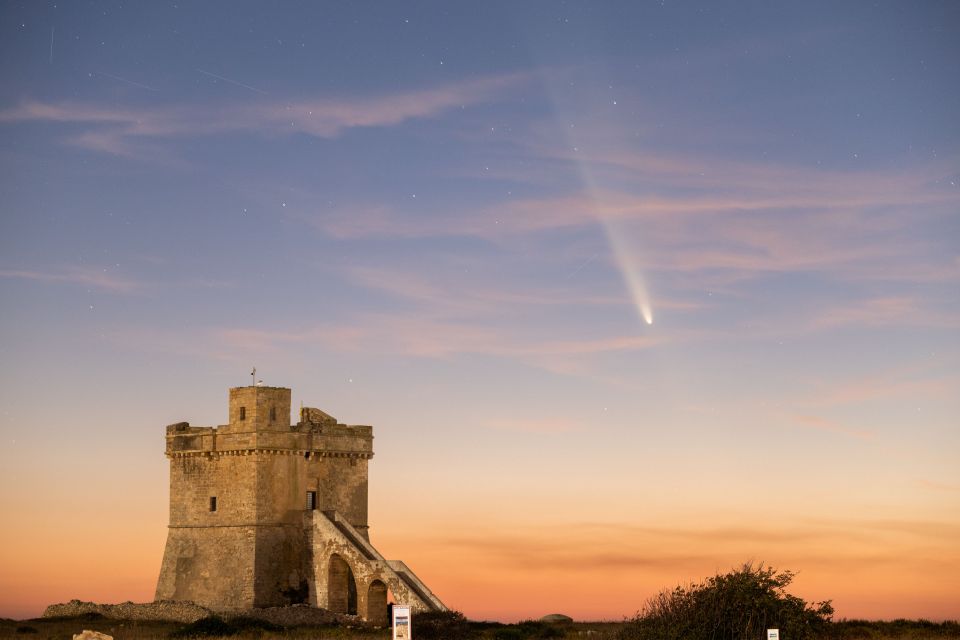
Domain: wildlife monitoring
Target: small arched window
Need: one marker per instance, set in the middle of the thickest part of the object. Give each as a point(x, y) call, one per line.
point(243, 413)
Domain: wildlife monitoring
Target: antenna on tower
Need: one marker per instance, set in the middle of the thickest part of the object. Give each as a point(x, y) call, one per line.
point(253, 377)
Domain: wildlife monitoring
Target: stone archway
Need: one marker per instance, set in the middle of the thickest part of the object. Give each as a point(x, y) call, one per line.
point(377, 604)
point(341, 587)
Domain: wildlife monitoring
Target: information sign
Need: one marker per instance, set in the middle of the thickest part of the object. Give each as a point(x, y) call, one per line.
point(401, 622)
point(773, 634)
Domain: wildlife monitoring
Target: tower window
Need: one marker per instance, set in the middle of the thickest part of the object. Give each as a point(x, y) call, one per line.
point(273, 414)
point(311, 500)
point(243, 413)
point(213, 503)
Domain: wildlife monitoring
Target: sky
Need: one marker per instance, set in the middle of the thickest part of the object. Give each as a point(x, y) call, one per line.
point(631, 292)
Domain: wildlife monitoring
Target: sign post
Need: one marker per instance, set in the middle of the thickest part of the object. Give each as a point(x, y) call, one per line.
point(401, 622)
point(773, 634)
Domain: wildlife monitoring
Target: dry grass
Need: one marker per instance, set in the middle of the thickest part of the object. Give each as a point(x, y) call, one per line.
point(64, 628)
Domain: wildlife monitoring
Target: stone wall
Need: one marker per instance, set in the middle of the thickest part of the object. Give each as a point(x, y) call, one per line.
point(231, 479)
point(187, 612)
point(342, 485)
point(173, 611)
point(263, 408)
point(213, 566)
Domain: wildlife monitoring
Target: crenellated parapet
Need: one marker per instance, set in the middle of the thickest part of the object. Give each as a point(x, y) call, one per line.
point(310, 437)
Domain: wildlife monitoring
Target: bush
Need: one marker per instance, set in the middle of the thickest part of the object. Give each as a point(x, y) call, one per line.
point(551, 631)
point(523, 630)
point(541, 630)
point(906, 629)
point(244, 623)
point(214, 626)
point(209, 626)
point(740, 605)
point(442, 625)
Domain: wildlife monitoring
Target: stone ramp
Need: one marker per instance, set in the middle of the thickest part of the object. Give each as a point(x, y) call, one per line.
point(415, 583)
point(347, 529)
point(368, 565)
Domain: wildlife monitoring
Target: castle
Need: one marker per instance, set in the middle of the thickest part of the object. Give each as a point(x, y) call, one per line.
point(264, 513)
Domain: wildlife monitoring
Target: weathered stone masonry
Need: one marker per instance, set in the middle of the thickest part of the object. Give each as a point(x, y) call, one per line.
point(264, 513)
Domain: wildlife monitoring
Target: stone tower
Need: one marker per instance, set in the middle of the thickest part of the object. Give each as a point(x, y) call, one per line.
point(264, 513)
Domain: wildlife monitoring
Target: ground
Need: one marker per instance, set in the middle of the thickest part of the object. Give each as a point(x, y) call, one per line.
point(64, 628)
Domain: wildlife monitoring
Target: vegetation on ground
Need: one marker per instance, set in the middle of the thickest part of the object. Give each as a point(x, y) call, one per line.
point(739, 605)
point(215, 627)
point(898, 629)
point(64, 628)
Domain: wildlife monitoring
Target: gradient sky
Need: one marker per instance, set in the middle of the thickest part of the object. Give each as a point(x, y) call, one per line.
point(453, 221)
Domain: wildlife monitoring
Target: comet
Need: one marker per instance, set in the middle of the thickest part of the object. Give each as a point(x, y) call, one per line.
point(629, 267)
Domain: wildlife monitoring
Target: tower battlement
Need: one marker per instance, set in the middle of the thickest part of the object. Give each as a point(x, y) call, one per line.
point(259, 420)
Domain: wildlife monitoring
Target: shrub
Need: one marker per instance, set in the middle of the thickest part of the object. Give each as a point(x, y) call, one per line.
point(740, 605)
point(541, 630)
point(213, 626)
point(551, 631)
point(209, 626)
point(442, 625)
point(244, 623)
point(905, 629)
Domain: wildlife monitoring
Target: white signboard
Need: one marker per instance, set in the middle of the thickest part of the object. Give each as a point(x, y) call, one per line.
point(773, 634)
point(401, 622)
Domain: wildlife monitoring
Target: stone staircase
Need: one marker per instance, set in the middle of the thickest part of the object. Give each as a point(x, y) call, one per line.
point(394, 573)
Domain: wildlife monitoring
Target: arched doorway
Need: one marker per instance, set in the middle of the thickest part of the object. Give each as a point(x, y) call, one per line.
point(341, 587)
point(377, 604)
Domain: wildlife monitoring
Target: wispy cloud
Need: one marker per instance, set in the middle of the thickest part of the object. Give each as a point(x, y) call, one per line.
point(919, 381)
point(114, 130)
point(587, 547)
point(938, 486)
point(552, 425)
point(691, 215)
point(455, 295)
point(106, 280)
point(414, 335)
point(823, 424)
point(92, 277)
point(881, 312)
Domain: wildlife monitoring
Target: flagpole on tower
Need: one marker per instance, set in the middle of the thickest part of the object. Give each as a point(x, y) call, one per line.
point(253, 377)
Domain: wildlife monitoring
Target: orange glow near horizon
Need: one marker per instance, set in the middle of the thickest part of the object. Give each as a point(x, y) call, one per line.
point(534, 536)
point(609, 577)
point(509, 583)
point(505, 571)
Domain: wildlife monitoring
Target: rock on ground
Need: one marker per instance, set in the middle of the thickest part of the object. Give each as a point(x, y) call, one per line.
point(87, 634)
point(556, 617)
